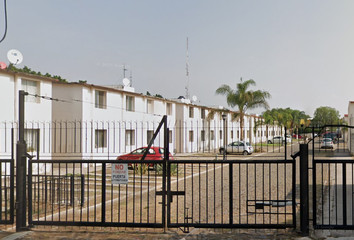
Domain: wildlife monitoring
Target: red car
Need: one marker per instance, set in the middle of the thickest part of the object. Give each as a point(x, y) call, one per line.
point(297, 136)
point(155, 153)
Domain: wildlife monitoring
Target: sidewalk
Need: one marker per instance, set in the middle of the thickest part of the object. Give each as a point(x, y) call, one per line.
point(218, 234)
point(245, 234)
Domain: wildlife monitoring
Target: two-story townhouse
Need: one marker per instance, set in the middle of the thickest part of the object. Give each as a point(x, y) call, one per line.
point(89, 121)
point(38, 110)
point(195, 130)
point(105, 121)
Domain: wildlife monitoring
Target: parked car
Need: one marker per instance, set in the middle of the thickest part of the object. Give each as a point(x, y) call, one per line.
point(297, 136)
point(279, 140)
point(331, 135)
point(327, 143)
point(155, 153)
point(237, 147)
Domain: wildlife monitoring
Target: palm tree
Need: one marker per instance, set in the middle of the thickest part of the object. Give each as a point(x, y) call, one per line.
point(243, 98)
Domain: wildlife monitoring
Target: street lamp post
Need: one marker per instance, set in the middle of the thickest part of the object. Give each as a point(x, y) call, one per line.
point(224, 153)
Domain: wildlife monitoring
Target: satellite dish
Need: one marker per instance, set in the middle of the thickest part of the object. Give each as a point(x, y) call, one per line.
point(194, 98)
point(126, 82)
point(14, 56)
point(3, 65)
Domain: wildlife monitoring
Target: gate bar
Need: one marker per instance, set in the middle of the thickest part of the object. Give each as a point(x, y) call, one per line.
point(304, 190)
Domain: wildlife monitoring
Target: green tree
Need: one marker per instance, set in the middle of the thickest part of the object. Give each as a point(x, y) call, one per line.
point(243, 98)
point(288, 117)
point(158, 95)
point(325, 116)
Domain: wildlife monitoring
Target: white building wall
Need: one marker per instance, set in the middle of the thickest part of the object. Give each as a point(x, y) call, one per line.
point(351, 131)
point(36, 114)
point(124, 130)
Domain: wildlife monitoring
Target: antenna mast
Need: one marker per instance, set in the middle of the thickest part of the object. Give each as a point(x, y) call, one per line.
point(124, 69)
point(187, 74)
point(131, 78)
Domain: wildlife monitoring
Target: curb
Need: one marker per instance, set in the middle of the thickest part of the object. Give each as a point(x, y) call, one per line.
point(16, 235)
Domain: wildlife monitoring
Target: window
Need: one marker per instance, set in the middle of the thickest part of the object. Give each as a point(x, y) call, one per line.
point(168, 108)
point(191, 112)
point(232, 134)
point(32, 87)
point(31, 138)
point(202, 113)
point(220, 132)
point(100, 99)
point(150, 106)
point(202, 135)
point(191, 136)
point(130, 105)
point(170, 136)
point(100, 138)
point(129, 137)
point(238, 133)
point(149, 135)
point(248, 133)
point(212, 135)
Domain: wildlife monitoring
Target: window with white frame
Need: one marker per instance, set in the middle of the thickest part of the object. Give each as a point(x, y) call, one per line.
point(100, 138)
point(32, 87)
point(232, 134)
point(191, 112)
point(100, 99)
point(130, 103)
point(211, 134)
point(149, 135)
point(220, 134)
point(202, 113)
point(31, 137)
point(129, 137)
point(168, 108)
point(170, 136)
point(150, 106)
point(202, 135)
point(191, 139)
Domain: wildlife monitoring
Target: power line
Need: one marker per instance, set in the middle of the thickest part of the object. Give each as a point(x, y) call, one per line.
point(48, 98)
point(5, 22)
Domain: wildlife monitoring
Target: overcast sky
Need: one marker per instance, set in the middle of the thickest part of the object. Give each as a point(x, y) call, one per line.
point(301, 52)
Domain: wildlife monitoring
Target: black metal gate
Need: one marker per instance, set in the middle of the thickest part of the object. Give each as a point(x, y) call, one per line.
point(7, 191)
point(333, 178)
point(232, 194)
point(257, 193)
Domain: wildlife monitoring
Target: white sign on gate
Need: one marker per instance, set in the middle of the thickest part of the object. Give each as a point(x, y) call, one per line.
point(120, 173)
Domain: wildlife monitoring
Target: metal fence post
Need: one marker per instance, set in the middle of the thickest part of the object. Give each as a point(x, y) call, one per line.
point(304, 190)
point(21, 215)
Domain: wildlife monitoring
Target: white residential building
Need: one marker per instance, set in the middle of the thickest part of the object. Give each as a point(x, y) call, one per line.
point(80, 120)
point(37, 110)
point(350, 119)
point(107, 121)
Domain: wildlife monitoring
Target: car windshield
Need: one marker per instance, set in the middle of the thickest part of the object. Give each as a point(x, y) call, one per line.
point(327, 140)
point(248, 144)
point(142, 151)
point(161, 151)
